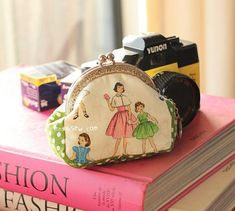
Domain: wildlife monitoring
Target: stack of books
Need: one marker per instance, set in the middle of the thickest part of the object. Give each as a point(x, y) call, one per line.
point(32, 178)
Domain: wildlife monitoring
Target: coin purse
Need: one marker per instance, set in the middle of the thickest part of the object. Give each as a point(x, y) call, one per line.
point(112, 113)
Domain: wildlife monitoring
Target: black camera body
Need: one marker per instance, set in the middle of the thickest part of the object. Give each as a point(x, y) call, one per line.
point(173, 64)
point(154, 53)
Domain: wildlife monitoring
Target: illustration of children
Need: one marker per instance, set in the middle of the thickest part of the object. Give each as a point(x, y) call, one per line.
point(120, 127)
point(82, 106)
point(81, 152)
point(146, 128)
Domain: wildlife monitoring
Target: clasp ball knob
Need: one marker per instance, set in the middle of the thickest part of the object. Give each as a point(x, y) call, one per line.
point(110, 57)
point(102, 59)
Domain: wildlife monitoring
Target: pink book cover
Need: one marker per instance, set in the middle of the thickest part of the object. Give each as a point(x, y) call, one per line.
point(13, 201)
point(28, 166)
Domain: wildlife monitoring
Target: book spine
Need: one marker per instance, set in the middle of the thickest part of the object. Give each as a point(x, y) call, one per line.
point(79, 188)
point(12, 201)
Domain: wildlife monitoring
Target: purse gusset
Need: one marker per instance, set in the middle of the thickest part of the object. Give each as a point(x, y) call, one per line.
point(112, 113)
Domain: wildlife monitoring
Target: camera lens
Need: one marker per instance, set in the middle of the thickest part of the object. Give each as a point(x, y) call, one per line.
point(182, 90)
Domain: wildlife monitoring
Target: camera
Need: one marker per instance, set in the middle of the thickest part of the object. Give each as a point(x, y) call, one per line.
point(173, 64)
point(154, 53)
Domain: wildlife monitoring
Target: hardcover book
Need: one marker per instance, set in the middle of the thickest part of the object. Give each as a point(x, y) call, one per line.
point(28, 166)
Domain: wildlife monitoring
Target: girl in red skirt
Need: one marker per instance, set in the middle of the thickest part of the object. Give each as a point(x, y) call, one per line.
point(120, 127)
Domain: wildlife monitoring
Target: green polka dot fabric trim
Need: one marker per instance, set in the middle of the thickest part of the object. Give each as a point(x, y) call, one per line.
point(174, 121)
point(56, 133)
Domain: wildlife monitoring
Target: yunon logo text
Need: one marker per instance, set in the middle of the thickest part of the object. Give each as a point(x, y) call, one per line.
point(157, 48)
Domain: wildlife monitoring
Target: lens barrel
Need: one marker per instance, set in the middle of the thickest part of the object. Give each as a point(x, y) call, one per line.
point(182, 90)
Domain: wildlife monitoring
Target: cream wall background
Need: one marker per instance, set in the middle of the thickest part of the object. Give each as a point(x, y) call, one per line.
point(209, 23)
point(39, 31)
point(35, 32)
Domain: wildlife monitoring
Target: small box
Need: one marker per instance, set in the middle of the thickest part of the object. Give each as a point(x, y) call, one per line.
point(66, 83)
point(72, 77)
point(40, 85)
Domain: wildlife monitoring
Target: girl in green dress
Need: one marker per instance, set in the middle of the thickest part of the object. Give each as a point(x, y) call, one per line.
point(146, 128)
